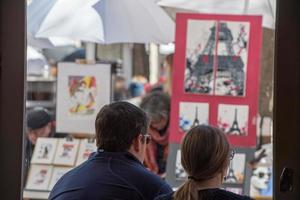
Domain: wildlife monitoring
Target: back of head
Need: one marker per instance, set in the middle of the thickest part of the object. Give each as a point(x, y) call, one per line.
point(204, 154)
point(38, 118)
point(117, 124)
point(156, 104)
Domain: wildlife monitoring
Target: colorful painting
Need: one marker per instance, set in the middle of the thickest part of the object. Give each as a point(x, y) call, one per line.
point(233, 119)
point(82, 91)
point(39, 177)
point(86, 148)
point(236, 170)
point(58, 172)
point(216, 57)
point(66, 152)
point(44, 151)
point(192, 114)
point(180, 173)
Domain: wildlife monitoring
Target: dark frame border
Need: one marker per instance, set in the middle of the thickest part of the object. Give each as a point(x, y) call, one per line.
point(12, 98)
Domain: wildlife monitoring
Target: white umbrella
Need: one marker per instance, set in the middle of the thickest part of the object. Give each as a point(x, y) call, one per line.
point(135, 21)
point(73, 19)
point(36, 62)
point(266, 8)
point(104, 21)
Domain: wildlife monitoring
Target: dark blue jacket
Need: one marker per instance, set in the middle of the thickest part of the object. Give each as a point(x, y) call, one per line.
point(109, 176)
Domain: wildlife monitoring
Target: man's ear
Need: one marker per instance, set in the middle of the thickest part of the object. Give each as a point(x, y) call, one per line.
point(136, 144)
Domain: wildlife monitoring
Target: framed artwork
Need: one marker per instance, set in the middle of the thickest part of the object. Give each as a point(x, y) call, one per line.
point(85, 149)
point(44, 151)
point(192, 114)
point(236, 170)
point(180, 173)
point(58, 172)
point(39, 177)
point(82, 90)
point(233, 119)
point(66, 153)
point(217, 62)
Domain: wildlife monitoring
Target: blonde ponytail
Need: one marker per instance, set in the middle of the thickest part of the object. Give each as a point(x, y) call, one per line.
point(187, 191)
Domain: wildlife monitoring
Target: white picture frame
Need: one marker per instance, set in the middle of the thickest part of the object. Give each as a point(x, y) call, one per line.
point(57, 173)
point(44, 151)
point(86, 147)
point(82, 89)
point(66, 153)
point(39, 177)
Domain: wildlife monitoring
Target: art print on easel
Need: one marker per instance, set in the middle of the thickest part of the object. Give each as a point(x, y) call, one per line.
point(82, 90)
point(236, 170)
point(216, 57)
point(44, 151)
point(58, 172)
point(39, 177)
point(233, 119)
point(192, 114)
point(85, 149)
point(66, 152)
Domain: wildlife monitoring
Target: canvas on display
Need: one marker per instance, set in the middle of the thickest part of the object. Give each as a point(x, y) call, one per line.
point(44, 150)
point(233, 119)
point(236, 170)
point(216, 57)
point(57, 173)
point(85, 149)
point(82, 90)
point(39, 177)
point(66, 153)
point(192, 114)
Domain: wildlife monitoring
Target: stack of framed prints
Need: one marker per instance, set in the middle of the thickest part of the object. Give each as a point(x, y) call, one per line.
point(216, 82)
point(53, 157)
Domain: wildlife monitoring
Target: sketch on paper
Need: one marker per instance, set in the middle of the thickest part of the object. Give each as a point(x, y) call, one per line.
point(44, 151)
point(180, 173)
point(58, 172)
point(82, 93)
point(192, 114)
point(66, 152)
point(233, 119)
point(216, 57)
point(85, 149)
point(236, 170)
point(39, 177)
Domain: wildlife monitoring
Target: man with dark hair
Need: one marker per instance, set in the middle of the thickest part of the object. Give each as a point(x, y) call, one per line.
point(115, 171)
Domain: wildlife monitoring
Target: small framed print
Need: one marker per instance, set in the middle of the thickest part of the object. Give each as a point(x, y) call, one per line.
point(180, 173)
point(44, 151)
point(233, 119)
point(39, 177)
point(58, 172)
point(66, 153)
point(85, 149)
point(192, 114)
point(236, 170)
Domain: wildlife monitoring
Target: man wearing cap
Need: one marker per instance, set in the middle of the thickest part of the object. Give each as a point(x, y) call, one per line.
point(39, 124)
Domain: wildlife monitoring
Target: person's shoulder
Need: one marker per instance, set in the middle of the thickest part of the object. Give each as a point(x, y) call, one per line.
point(224, 194)
point(168, 196)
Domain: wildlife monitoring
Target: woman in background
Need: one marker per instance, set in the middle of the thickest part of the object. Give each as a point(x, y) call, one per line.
point(205, 156)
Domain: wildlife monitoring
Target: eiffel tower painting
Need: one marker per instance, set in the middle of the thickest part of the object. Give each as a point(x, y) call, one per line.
point(231, 178)
point(196, 121)
point(235, 126)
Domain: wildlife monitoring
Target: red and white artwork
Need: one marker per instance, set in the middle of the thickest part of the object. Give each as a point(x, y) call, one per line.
point(66, 153)
point(39, 177)
point(233, 119)
point(85, 149)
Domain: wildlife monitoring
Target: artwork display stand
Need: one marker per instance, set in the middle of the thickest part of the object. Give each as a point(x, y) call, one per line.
point(216, 82)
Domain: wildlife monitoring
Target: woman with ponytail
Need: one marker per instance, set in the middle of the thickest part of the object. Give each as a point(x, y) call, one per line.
point(205, 156)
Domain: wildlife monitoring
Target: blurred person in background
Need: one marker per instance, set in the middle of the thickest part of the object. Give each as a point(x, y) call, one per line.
point(205, 156)
point(120, 89)
point(156, 104)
